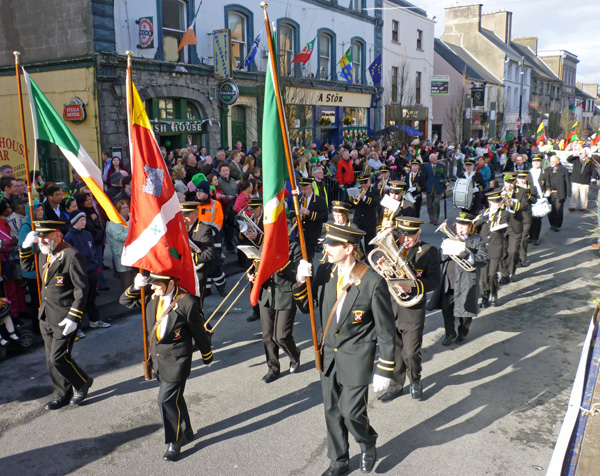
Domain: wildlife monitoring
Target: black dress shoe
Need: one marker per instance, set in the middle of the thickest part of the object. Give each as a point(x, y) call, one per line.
point(461, 339)
point(389, 396)
point(525, 263)
point(253, 317)
point(82, 393)
point(173, 451)
point(58, 403)
point(504, 280)
point(296, 365)
point(485, 302)
point(448, 340)
point(270, 377)
point(338, 471)
point(536, 242)
point(416, 390)
point(368, 458)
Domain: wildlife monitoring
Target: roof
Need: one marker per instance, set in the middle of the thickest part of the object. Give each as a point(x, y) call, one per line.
point(458, 58)
point(580, 93)
point(537, 65)
point(498, 43)
point(410, 7)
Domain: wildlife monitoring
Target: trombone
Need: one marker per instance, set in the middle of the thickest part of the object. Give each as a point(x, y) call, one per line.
point(463, 263)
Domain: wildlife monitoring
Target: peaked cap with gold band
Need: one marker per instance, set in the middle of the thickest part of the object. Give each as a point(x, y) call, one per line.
point(189, 207)
point(342, 234)
point(494, 195)
point(464, 218)
point(510, 177)
point(384, 168)
point(363, 178)
point(415, 162)
point(408, 225)
point(396, 186)
point(156, 278)
point(338, 206)
point(305, 181)
point(255, 202)
point(43, 227)
point(469, 161)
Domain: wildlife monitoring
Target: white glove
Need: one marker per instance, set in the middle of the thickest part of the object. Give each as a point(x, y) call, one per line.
point(475, 188)
point(380, 383)
point(452, 247)
point(70, 326)
point(139, 281)
point(30, 239)
point(412, 189)
point(547, 194)
point(304, 271)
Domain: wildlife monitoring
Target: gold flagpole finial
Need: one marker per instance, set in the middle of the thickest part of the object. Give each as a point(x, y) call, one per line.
point(129, 53)
point(264, 5)
point(17, 53)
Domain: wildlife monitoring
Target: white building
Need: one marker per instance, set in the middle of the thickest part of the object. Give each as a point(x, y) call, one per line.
point(407, 65)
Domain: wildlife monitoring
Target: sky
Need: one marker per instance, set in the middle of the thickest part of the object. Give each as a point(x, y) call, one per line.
point(558, 24)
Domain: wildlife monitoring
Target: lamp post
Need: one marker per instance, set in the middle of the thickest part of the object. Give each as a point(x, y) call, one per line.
point(520, 120)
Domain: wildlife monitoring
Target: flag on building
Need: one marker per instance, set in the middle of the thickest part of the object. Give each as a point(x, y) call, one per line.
point(375, 70)
point(275, 248)
point(189, 37)
point(157, 239)
point(572, 135)
point(253, 49)
point(346, 66)
point(49, 126)
point(540, 134)
point(305, 54)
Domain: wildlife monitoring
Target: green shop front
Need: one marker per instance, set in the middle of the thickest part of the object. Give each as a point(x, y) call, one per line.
point(177, 122)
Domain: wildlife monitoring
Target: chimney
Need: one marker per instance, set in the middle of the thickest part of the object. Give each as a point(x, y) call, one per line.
point(461, 20)
point(500, 23)
point(528, 42)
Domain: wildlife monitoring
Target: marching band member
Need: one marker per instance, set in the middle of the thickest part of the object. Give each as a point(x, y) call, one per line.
point(458, 294)
point(416, 183)
point(535, 175)
point(515, 200)
point(383, 180)
point(366, 208)
point(424, 260)
point(174, 322)
point(277, 315)
point(530, 197)
point(493, 222)
point(406, 208)
point(478, 184)
point(340, 212)
point(314, 212)
point(201, 235)
point(357, 316)
point(252, 237)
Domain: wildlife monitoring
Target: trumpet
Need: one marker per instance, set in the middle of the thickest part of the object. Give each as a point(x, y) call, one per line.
point(393, 267)
point(356, 200)
point(463, 263)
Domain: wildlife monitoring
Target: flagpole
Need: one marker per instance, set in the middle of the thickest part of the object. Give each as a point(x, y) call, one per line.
point(290, 167)
point(27, 177)
point(147, 367)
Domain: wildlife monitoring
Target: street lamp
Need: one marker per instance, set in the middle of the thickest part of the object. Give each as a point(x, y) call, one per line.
point(520, 120)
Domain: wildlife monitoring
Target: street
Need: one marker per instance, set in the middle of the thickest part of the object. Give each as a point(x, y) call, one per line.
point(492, 406)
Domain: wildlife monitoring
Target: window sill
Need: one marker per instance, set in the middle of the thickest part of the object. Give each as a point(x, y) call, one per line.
point(420, 49)
point(396, 43)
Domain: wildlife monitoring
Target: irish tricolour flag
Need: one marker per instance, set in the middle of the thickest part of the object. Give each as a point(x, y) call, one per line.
point(275, 250)
point(49, 126)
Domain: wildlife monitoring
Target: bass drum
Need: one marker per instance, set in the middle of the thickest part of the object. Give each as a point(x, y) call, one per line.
point(462, 193)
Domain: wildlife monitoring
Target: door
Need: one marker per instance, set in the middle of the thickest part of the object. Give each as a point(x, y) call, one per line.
point(238, 126)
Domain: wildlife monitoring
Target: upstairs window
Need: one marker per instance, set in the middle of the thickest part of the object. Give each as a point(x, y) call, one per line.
point(395, 30)
point(237, 25)
point(418, 88)
point(324, 56)
point(419, 39)
point(357, 52)
point(286, 49)
point(174, 26)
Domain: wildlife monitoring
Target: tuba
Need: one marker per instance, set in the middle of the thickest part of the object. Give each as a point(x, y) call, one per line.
point(463, 263)
point(394, 267)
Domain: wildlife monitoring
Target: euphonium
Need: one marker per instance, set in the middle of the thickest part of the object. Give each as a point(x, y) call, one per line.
point(247, 226)
point(463, 263)
point(393, 267)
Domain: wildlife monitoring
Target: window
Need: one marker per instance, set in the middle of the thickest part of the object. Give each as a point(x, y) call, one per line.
point(356, 5)
point(166, 109)
point(419, 39)
point(300, 121)
point(418, 88)
point(395, 29)
point(357, 50)
point(324, 56)
point(237, 25)
point(286, 49)
point(394, 84)
point(174, 26)
point(359, 114)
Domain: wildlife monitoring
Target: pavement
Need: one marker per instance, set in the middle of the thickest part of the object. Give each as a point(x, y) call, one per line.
point(492, 406)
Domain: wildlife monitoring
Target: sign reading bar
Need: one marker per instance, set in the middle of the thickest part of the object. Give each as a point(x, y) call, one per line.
point(74, 110)
point(146, 26)
point(222, 53)
point(229, 92)
point(440, 85)
point(162, 127)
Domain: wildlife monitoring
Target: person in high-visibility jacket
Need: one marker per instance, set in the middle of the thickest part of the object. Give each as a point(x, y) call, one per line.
point(210, 212)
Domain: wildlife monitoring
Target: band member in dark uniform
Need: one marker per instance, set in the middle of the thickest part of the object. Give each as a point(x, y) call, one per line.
point(458, 294)
point(314, 214)
point(173, 319)
point(529, 198)
point(340, 212)
point(478, 185)
point(515, 201)
point(383, 180)
point(423, 260)
point(249, 235)
point(277, 315)
point(356, 315)
point(494, 223)
point(64, 290)
point(201, 235)
point(416, 184)
point(366, 206)
point(405, 209)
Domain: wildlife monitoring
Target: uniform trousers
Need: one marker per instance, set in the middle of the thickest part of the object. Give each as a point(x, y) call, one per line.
point(64, 372)
point(489, 277)
point(536, 228)
point(512, 242)
point(173, 410)
point(555, 217)
point(277, 329)
point(523, 246)
point(345, 411)
point(448, 314)
point(407, 353)
point(418, 203)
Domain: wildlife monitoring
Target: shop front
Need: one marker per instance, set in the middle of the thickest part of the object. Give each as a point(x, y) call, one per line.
point(416, 117)
point(177, 122)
